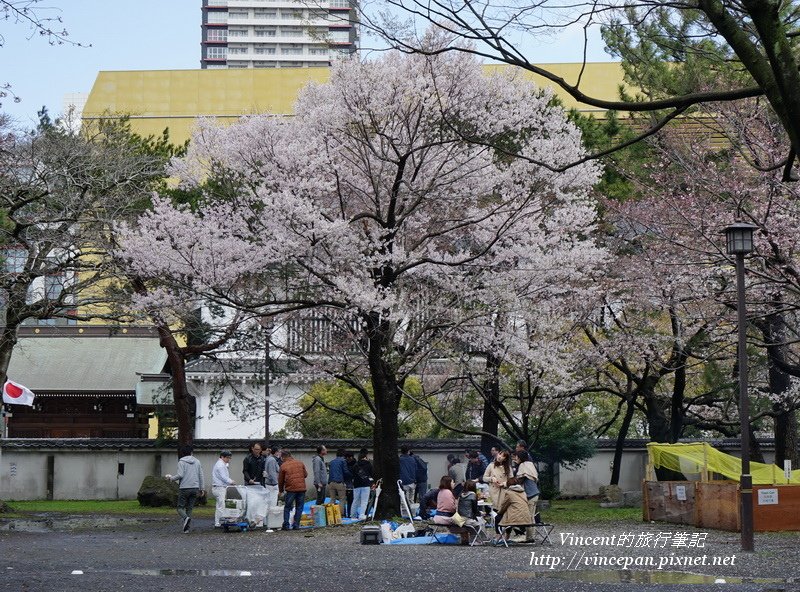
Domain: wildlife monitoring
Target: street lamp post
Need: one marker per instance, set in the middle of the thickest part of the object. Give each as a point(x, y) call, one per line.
point(267, 378)
point(739, 243)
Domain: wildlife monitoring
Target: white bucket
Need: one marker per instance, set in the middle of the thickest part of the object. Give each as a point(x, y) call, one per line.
point(275, 517)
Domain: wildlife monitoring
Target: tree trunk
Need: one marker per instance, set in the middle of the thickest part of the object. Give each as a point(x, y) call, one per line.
point(756, 454)
point(786, 438)
point(658, 425)
point(385, 437)
point(620, 444)
point(785, 422)
point(8, 339)
point(491, 401)
point(676, 403)
point(180, 391)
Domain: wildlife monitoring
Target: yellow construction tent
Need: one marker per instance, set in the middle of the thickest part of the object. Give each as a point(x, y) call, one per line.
point(702, 458)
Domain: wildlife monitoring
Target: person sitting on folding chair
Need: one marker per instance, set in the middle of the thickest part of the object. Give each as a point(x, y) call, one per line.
point(445, 502)
point(468, 512)
point(513, 511)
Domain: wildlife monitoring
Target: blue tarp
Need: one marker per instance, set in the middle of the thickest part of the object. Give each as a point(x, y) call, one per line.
point(443, 539)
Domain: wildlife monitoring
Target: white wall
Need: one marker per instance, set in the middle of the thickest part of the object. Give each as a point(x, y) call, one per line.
point(588, 479)
point(223, 423)
point(94, 474)
point(86, 473)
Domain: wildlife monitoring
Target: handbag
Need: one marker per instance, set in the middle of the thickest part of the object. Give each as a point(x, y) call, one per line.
point(458, 519)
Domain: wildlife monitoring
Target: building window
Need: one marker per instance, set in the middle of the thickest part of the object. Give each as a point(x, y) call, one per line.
point(291, 32)
point(217, 18)
point(237, 49)
point(238, 14)
point(288, 14)
point(217, 35)
point(237, 66)
point(319, 51)
point(265, 31)
point(340, 3)
point(264, 50)
point(340, 36)
point(53, 286)
point(262, 64)
point(216, 53)
point(237, 32)
point(291, 64)
point(341, 53)
point(14, 259)
point(292, 50)
point(264, 13)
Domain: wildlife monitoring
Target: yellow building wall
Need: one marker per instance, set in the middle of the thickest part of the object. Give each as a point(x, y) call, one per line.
point(174, 99)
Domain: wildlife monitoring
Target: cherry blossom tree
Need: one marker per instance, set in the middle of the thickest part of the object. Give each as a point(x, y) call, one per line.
point(739, 177)
point(370, 208)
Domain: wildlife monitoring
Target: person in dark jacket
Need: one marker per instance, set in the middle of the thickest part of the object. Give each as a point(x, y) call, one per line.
point(338, 473)
point(422, 476)
point(350, 459)
point(408, 472)
point(427, 503)
point(362, 481)
point(475, 466)
point(253, 466)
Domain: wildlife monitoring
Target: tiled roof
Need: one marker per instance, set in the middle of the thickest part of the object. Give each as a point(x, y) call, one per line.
point(84, 364)
point(301, 443)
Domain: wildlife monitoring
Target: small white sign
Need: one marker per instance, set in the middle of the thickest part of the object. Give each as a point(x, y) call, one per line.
point(787, 469)
point(767, 497)
point(680, 492)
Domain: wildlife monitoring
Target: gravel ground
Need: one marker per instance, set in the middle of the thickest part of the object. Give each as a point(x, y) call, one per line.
point(157, 556)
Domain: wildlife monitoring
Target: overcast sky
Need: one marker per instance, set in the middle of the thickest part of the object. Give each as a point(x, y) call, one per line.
point(133, 35)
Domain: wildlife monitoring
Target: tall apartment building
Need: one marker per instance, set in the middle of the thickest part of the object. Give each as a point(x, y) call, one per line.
point(277, 33)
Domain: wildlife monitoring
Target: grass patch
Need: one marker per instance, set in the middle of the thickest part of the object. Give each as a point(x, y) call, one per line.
point(583, 511)
point(560, 511)
point(108, 507)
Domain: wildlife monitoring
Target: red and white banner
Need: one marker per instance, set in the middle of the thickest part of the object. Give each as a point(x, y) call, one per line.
point(16, 394)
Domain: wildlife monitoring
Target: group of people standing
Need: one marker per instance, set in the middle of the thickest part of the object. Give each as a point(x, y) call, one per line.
point(347, 480)
point(275, 469)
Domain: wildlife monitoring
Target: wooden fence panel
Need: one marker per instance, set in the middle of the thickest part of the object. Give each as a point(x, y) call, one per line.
point(717, 505)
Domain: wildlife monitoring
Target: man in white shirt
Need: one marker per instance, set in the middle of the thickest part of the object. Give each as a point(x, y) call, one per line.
point(220, 480)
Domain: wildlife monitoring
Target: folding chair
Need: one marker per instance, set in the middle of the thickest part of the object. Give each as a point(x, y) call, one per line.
point(542, 530)
point(506, 530)
point(477, 532)
point(437, 529)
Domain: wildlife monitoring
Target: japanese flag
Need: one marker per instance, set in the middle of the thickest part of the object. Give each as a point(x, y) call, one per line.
point(16, 394)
